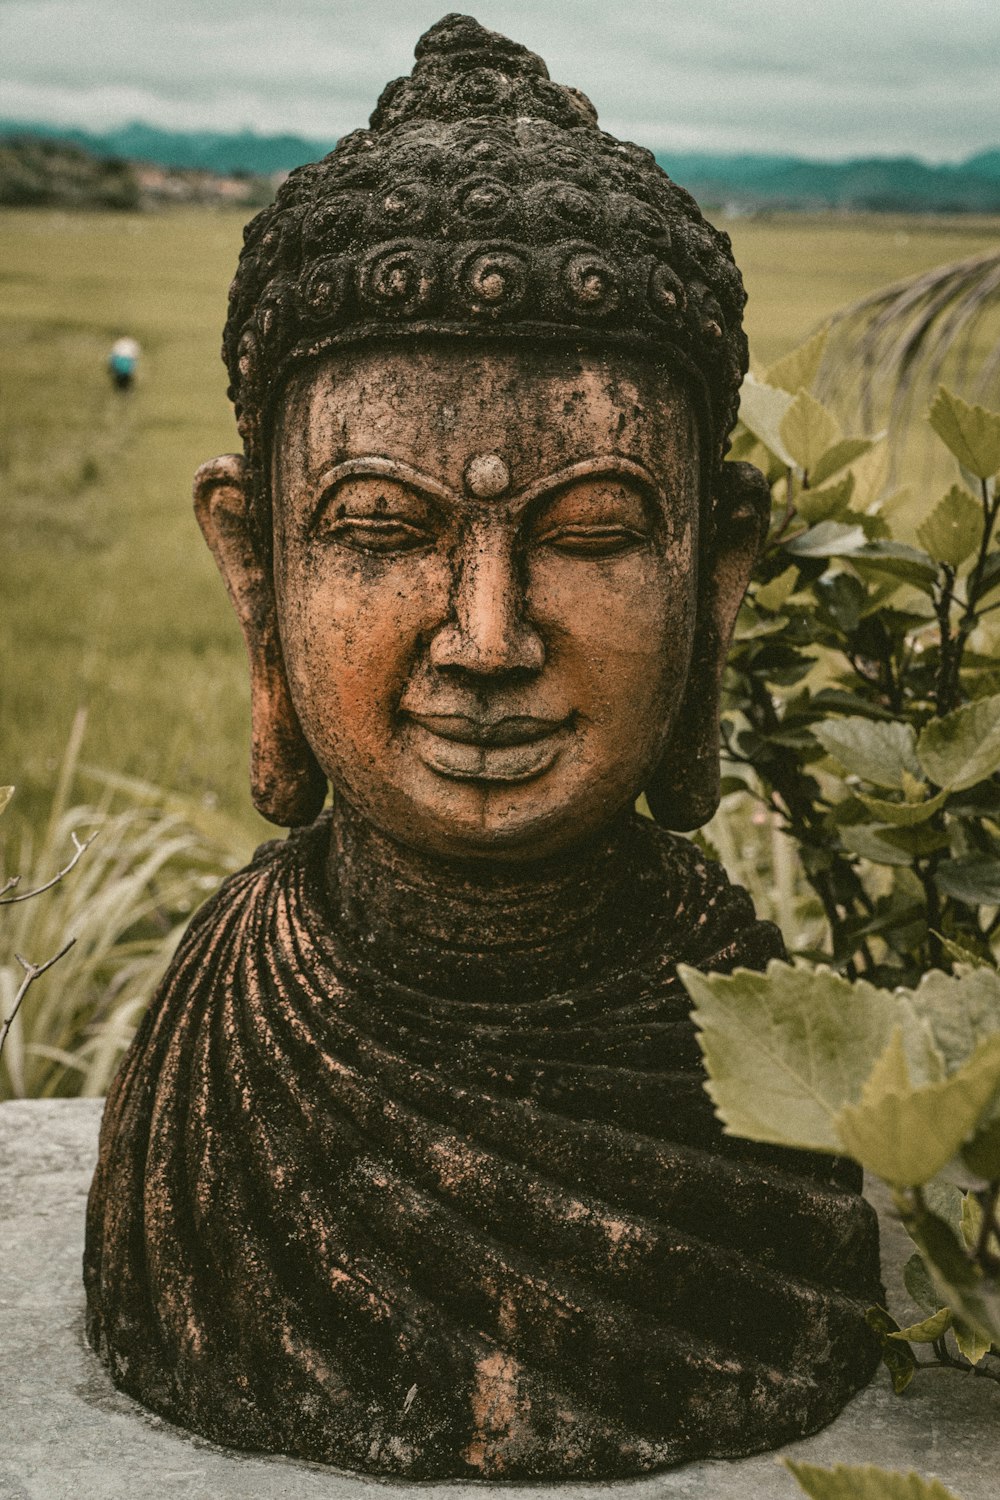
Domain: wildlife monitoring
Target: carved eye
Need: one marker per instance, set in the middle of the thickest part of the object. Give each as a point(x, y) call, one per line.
point(373, 513)
point(592, 541)
point(594, 518)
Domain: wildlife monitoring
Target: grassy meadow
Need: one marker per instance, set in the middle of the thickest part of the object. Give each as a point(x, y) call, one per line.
point(111, 601)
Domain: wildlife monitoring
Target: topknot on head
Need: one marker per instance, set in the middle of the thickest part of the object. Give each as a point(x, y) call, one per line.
point(465, 72)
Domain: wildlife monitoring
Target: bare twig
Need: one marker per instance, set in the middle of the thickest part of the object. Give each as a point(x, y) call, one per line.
point(31, 973)
point(79, 849)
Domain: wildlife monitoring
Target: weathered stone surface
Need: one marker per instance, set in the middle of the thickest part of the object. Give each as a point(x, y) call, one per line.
point(409, 1169)
point(366, 1198)
point(67, 1434)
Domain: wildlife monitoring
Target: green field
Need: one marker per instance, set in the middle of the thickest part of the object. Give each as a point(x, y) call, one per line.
point(110, 599)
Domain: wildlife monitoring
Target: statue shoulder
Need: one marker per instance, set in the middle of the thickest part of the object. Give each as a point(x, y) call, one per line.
point(713, 923)
point(274, 867)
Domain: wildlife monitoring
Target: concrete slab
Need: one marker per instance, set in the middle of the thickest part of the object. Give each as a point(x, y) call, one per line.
point(67, 1434)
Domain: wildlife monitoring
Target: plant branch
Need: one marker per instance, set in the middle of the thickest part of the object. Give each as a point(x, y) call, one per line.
point(31, 973)
point(774, 539)
point(991, 509)
point(950, 655)
point(79, 848)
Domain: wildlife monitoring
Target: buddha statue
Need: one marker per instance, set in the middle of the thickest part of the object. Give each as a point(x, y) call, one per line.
point(410, 1168)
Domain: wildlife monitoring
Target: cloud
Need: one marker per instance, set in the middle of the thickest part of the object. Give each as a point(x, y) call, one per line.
point(909, 76)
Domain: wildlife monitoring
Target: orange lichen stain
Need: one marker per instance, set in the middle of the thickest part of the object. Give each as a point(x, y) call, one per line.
point(507, 1316)
point(620, 1231)
point(501, 1414)
point(453, 1164)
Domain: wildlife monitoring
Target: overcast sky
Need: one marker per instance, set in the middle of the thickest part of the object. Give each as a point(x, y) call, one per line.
point(816, 78)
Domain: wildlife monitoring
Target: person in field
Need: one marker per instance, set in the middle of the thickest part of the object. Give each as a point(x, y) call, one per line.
point(122, 361)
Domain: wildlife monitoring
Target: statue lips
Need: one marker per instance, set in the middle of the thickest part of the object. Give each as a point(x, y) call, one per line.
point(510, 748)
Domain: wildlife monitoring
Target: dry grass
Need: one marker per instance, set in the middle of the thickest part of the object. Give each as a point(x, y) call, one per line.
point(125, 904)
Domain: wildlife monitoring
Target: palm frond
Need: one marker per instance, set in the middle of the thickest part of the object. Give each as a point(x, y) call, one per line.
point(902, 340)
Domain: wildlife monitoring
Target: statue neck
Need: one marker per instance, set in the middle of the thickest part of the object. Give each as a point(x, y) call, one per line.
point(474, 930)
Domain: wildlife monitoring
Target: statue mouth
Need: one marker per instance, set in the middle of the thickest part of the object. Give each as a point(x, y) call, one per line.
point(512, 748)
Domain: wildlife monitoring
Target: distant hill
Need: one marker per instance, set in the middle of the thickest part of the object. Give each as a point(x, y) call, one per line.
point(197, 150)
point(741, 182)
point(901, 184)
point(37, 173)
point(41, 171)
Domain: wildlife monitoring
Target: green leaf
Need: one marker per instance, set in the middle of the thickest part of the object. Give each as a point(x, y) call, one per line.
point(926, 1331)
point(6, 792)
point(973, 879)
point(971, 432)
point(742, 445)
point(964, 746)
point(982, 1154)
point(906, 1134)
point(774, 594)
point(959, 1011)
point(918, 839)
point(973, 1344)
point(944, 1255)
point(954, 528)
point(879, 751)
point(971, 1221)
point(962, 955)
point(817, 505)
point(839, 456)
point(973, 1298)
point(870, 842)
point(762, 408)
point(801, 366)
point(918, 1283)
point(899, 560)
point(898, 1358)
point(829, 539)
point(903, 814)
point(808, 430)
point(786, 1049)
point(865, 1482)
point(989, 579)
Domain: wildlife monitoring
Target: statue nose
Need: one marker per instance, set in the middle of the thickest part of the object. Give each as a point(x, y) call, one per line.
point(488, 630)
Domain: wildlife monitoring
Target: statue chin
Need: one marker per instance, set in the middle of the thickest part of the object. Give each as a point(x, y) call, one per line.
point(410, 1168)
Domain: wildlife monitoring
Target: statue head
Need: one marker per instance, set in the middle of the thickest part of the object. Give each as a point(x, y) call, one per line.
point(482, 542)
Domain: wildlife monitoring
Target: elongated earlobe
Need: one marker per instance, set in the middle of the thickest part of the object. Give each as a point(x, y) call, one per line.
point(683, 791)
point(288, 786)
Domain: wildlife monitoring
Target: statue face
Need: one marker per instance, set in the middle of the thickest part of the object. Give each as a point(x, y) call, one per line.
point(485, 572)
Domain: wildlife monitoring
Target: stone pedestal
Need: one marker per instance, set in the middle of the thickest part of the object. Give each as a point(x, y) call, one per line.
point(67, 1434)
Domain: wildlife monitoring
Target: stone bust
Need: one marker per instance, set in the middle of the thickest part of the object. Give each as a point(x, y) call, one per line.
point(410, 1169)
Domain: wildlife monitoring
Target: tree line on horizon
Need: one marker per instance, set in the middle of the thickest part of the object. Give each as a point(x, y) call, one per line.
point(737, 182)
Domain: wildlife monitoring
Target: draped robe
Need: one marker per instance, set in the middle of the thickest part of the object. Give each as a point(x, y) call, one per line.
point(431, 1231)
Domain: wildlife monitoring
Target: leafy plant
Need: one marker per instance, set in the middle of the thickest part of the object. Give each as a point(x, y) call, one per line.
point(862, 1482)
point(906, 1082)
point(863, 692)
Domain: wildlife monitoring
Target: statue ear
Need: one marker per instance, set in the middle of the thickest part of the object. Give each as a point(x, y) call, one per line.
point(287, 784)
point(683, 791)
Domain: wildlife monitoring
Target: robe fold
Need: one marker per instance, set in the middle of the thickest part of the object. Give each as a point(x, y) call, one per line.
point(350, 1218)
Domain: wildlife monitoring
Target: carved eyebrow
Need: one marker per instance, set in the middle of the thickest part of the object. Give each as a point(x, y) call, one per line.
point(379, 468)
point(612, 465)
